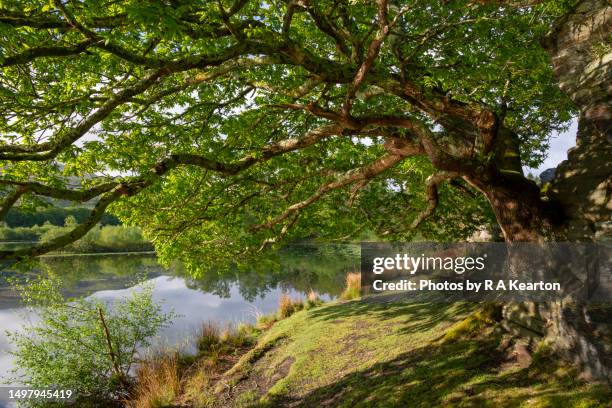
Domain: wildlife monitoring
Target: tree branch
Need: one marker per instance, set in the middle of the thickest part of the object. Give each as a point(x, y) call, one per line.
point(31, 54)
point(371, 56)
point(65, 239)
point(60, 193)
point(53, 147)
point(10, 200)
point(131, 186)
point(431, 189)
point(363, 173)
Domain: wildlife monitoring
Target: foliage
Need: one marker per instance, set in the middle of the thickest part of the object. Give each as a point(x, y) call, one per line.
point(24, 233)
point(67, 345)
point(108, 238)
point(225, 128)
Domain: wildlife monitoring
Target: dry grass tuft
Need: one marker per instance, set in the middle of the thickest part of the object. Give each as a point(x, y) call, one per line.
point(312, 300)
point(353, 286)
point(167, 378)
point(158, 381)
point(288, 306)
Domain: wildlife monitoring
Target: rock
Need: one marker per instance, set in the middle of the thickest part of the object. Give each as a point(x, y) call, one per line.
point(548, 175)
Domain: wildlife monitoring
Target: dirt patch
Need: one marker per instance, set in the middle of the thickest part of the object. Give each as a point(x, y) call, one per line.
point(281, 370)
point(257, 379)
point(349, 342)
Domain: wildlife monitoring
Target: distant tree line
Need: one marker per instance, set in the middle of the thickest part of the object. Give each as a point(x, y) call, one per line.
point(54, 216)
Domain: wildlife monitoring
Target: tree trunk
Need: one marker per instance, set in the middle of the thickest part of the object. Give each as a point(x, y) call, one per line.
point(579, 204)
point(579, 48)
point(519, 211)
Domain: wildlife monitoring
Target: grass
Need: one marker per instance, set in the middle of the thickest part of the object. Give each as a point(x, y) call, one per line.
point(361, 354)
point(168, 378)
point(288, 306)
point(365, 354)
point(158, 381)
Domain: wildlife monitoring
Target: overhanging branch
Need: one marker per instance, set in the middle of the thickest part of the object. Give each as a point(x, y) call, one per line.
point(363, 173)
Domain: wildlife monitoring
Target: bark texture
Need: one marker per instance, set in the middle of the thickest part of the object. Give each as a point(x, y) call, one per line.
point(580, 50)
point(579, 46)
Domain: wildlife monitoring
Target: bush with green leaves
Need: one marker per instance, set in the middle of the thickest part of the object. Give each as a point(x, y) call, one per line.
point(86, 344)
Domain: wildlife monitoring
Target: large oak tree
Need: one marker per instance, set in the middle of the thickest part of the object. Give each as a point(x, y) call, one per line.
point(223, 127)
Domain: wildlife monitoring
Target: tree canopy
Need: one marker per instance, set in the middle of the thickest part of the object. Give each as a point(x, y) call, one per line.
point(223, 127)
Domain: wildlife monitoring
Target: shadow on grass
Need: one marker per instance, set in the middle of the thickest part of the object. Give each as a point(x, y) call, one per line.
point(462, 373)
point(457, 374)
point(418, 317)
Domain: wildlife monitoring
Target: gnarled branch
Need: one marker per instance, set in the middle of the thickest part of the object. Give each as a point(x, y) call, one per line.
point(431, 189)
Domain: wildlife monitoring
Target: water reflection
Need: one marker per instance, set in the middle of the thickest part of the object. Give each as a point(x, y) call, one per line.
point(226, 296)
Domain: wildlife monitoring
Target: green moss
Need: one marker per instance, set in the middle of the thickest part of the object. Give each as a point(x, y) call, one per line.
point(475, 323)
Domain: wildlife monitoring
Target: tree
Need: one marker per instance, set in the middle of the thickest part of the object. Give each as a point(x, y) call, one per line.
point(235, 125)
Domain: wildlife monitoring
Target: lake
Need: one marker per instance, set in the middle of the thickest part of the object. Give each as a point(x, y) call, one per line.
point(226, 296)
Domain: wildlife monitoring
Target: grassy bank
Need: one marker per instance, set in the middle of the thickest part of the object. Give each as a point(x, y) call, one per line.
point(357, 354)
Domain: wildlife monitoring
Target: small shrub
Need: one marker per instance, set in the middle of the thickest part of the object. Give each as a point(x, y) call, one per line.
point(353, 286)
point(70, 345)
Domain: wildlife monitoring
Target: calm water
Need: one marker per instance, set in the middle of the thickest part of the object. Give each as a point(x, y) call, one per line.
point(226, 297)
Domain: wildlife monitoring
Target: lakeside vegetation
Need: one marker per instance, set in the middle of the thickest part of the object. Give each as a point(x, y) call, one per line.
point(17, 217)
point(343, 353)
point(359, 354)
point(23, 227)
point(104, 238)
point(86, 345)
